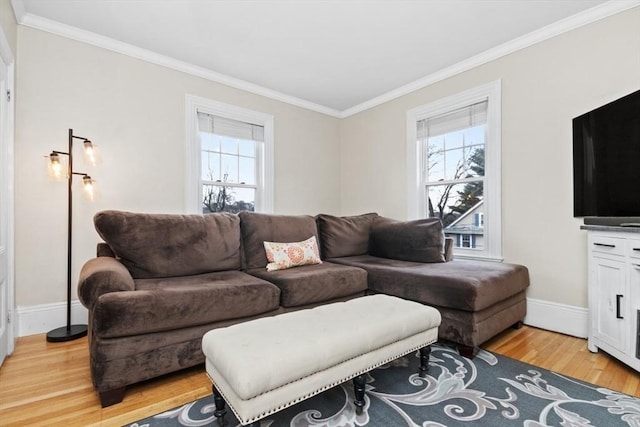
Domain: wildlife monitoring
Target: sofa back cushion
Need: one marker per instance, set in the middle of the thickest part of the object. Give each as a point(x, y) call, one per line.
point(258, 228)
point(165, 245)
point(344, 236)
point(421, 240)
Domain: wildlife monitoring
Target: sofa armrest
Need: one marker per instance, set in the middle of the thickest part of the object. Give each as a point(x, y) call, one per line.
point(448, 249)
point(100, 276)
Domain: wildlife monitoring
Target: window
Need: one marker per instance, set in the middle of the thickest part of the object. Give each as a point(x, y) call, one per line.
point(453, 152)
point(229, 158)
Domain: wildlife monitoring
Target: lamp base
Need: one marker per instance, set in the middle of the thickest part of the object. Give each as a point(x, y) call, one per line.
point(72, 332)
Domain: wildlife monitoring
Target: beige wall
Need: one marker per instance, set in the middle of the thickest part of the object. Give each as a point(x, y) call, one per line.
point(134, 111)
point(543, 88)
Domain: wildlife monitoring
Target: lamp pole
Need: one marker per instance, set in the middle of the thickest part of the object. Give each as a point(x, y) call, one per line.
point(69, 332)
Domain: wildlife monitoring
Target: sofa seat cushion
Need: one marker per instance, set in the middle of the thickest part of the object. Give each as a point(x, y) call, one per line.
point(166, 245)
point(179, 302)
point(314, 283)
point(459, 284)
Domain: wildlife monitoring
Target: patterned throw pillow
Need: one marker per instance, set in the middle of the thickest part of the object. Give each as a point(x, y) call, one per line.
point(287, 255)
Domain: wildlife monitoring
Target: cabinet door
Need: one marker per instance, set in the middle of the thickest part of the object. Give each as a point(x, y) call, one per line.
point(609, 302)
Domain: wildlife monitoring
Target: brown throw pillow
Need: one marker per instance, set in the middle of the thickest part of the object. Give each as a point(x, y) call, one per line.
point(345, 235)
point(421, 240)
point(165, 245)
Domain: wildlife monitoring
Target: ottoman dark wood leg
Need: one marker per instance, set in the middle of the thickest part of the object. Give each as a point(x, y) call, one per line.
point(425, 352)
point(220, 411)
point(359, 383)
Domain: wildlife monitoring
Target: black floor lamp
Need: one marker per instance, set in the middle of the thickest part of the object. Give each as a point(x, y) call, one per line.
point(57, 171)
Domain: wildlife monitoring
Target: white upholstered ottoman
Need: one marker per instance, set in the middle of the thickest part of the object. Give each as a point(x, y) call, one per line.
point(262, 366)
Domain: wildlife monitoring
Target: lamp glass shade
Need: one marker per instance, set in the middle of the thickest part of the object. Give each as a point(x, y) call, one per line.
point(57, 167)
point(89, 188)
point(90, 153)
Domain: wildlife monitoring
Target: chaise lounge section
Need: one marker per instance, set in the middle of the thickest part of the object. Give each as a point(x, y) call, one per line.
point(477, 299)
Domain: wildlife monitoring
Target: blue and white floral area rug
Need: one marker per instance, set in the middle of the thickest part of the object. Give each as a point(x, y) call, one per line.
point(490, 390)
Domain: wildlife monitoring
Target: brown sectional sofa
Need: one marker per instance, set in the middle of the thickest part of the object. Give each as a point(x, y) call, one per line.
point(161, 281)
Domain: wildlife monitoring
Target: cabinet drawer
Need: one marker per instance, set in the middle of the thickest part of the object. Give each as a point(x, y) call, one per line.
point(607, 245)
point(633, 248)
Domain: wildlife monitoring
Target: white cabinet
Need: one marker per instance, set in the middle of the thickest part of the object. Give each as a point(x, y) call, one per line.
point(614, 293)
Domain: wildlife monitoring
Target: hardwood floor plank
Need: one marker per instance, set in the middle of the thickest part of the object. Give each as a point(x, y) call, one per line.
point(49, 383)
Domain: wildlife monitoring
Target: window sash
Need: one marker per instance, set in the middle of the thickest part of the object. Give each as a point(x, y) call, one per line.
point(229, 184)
point(416, 183)
point(264, 151)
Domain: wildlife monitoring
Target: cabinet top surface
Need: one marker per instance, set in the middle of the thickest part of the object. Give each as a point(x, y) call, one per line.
point(611, 228)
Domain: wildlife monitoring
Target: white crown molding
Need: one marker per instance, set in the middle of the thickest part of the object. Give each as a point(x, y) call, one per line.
point(594, 14)
point(588, 16)
point(18, 10)
point(54, 27)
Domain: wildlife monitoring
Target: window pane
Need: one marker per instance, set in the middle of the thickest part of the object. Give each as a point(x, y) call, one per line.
point(475, 135)
point(454, 164)
point(229, 145)
point(456, 155)
point(218, 198)
point(209, 141)
point(436, 143)
point(210, 166)
point(456, 205)
point(454, 139)
point(247, 173)
point(229, 168)
point(435, 162)
point(475, 162)
point(247, 148)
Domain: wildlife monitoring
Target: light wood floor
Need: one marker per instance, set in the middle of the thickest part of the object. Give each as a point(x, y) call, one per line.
point(49, 384)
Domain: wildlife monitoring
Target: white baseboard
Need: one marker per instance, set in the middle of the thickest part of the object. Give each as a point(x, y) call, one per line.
point(39, 319)
point(566, 319)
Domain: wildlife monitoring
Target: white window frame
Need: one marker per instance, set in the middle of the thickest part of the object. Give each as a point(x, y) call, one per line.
point(416, 207)
point(264, 151)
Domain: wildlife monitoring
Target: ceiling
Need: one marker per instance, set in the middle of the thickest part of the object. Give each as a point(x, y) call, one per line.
point(333, 56)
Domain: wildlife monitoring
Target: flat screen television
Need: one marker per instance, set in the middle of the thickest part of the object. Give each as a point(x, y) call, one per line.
point(606, 163)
